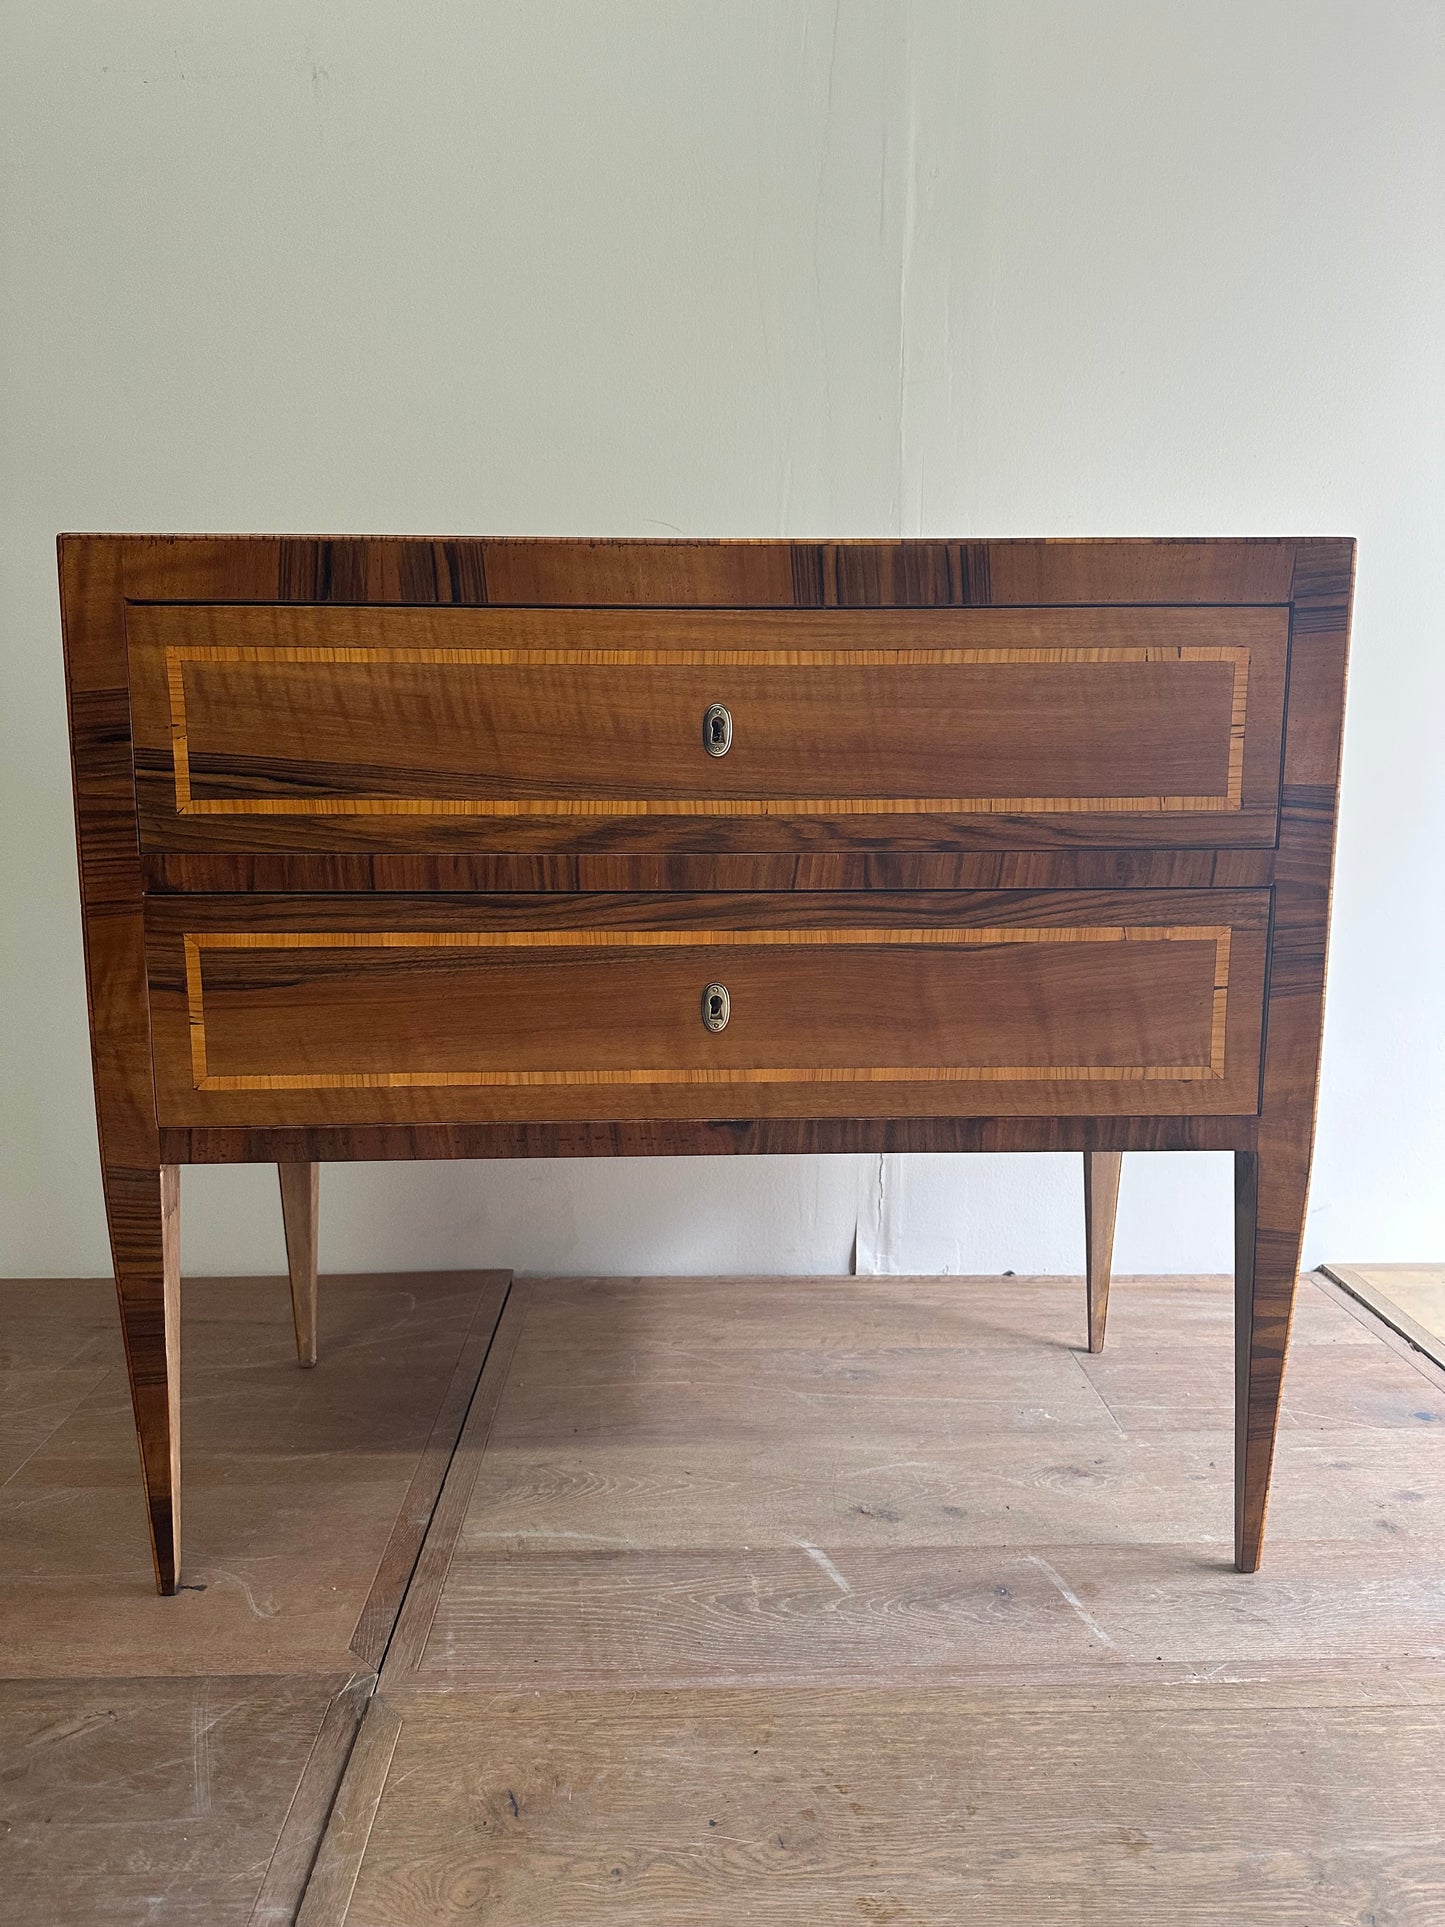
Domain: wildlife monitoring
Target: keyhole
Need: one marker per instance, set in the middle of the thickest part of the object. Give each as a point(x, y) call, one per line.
point(716, 1007)
point(717, 730)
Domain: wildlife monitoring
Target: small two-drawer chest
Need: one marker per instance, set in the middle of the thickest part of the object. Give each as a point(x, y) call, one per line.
point(406, 848)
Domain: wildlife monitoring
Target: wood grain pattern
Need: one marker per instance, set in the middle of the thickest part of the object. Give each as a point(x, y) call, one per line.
point(350, 872)
point(1387, 1326)
point(1272, 1182)
point(850, 719)
point(526, 839)
point(160, 1800)
point(454, 718)
point(300, 1204)
point(1408, 1298)
point(397, 1567)
point(329, 1890)
point(371, 713)
point(701, 1137)
point(838, 1805)
point(289, 1870)
point(143, 1210)
point(550, 571)
point(339, 717)
point(925, 1002)
point(712, 1645)
point(307, 1493)
point(174, 1761)
point(140, 1198)
point(1276, 1762)
point(560, 1014)
point(408, 1643)
point(1101, 1203)
point(692, 1484)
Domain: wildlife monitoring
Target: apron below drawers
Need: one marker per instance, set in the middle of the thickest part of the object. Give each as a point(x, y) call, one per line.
point(304, 1010)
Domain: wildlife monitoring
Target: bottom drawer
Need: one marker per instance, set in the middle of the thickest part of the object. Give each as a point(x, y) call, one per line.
point(276, 1010)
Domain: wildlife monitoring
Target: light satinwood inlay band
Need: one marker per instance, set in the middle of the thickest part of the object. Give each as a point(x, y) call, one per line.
point(187, 804)
point(196, 943)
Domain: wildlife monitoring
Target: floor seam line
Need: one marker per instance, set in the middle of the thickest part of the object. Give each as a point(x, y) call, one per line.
point(368, 1700)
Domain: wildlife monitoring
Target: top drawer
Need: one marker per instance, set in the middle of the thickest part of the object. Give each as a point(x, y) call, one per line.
point(260, 727)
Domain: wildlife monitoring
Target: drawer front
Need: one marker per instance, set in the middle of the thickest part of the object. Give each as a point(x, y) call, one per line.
point(260, 727)
point(336, 1010)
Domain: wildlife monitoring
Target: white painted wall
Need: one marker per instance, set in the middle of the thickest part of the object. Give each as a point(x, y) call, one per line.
point(753, 267)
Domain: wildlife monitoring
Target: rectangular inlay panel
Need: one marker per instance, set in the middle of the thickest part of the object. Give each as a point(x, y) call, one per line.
point(969, 999)
point(255, 714)
point(1049, 986)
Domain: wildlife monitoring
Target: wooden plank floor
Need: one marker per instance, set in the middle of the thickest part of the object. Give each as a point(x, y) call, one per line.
point(175, 1760)
point(879, 1600)
point(814, 1601)
point(1409, 1297)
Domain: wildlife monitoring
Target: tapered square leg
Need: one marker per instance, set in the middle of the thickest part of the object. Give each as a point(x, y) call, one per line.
point(1101, 1204)
point(1270, 1189)
point(300, 1195)
point(143, 1208)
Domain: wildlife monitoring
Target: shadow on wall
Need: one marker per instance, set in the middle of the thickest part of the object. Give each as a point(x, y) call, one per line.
point(920, 1213)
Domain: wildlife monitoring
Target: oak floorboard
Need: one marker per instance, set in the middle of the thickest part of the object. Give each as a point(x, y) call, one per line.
point(828, 1315)
point(844, 1806)
point(172, 1761)
point(665, 1497)
point(1411, 1298)
point(294, 1480)
point(808, 1614)
point(1094, 1486)
point(150, 1800)
point(727, 1623)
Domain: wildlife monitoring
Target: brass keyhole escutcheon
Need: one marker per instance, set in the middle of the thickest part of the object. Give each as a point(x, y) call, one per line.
point(716, 1007)
point(717, 730)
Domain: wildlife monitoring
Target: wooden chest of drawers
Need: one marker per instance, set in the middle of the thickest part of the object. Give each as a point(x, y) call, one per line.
point(400, 848)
